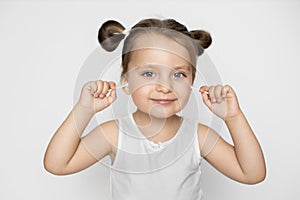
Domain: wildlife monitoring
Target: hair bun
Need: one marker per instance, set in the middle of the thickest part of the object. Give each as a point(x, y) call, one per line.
point(110, 35)
point(203, 38)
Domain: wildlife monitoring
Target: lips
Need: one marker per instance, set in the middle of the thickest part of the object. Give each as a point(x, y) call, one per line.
point(163, 101)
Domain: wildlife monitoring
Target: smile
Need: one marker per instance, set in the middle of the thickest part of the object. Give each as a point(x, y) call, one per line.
point(163, 101)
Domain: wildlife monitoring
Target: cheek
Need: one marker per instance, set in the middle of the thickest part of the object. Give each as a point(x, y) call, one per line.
point(135, 83)
point(182, 92)
point(139, 95)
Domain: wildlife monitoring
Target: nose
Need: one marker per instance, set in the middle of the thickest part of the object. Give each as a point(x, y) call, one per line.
point(164, 86)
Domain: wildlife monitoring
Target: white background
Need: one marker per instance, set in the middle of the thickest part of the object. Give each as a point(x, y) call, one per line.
point(43, 45)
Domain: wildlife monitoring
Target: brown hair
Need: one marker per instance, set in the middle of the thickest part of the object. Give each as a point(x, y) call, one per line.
point(111, 33)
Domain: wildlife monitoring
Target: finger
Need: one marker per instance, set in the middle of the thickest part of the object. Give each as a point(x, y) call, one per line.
point(92, 87)
point(99, 88)
point(218, 93)
point(206, 100)
point(225, 90)
point(112, 85)
point(205, 96)
point(212, 94)
point(104, 89)
point(204, 89)
point(112, 96)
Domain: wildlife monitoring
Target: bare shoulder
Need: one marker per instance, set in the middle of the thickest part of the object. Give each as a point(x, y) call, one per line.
point(111, 131)
point(207, 138)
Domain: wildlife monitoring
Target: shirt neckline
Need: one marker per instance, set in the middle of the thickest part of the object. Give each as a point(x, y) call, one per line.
point(159, 144)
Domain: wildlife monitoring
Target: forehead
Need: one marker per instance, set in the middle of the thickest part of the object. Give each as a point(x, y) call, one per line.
point(154, 44)
point(157, 57)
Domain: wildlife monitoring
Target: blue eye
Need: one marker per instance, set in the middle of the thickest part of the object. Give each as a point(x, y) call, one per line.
point(179, 75)
point(149, 74)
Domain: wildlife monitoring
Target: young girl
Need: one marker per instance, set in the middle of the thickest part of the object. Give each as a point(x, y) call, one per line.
point(155, 152)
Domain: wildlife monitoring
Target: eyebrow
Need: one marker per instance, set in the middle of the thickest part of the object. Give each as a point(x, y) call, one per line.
point(151, 65)
point(178, 67)
point(184, 67)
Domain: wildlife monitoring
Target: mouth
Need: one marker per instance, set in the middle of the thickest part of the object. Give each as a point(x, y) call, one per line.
point(163, 101)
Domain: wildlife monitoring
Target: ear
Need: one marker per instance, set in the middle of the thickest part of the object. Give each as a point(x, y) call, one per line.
point(125, 82)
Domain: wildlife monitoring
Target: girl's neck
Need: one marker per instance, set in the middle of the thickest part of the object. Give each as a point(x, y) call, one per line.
point(157, 129)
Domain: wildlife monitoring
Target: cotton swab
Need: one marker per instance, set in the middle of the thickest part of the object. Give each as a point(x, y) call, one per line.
point(205, 92)
point(122, 86)
point(119, 87)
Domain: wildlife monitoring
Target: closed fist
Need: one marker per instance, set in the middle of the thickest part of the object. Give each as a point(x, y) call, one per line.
point(97, 95)
point(221, 100)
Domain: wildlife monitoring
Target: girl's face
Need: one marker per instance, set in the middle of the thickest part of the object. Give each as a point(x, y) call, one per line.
point(159, 81)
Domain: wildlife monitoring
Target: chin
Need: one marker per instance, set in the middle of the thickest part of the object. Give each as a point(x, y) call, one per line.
point(162, 113)
point(161, 116)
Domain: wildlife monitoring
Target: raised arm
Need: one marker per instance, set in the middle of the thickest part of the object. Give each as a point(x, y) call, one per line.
point(243, 162)
point(67, 152)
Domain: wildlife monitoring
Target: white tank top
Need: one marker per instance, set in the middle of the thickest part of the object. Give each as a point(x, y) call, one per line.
point(149, 171)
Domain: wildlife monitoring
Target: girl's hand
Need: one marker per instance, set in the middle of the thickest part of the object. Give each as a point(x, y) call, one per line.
point(221, 100)
point(94, 95)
